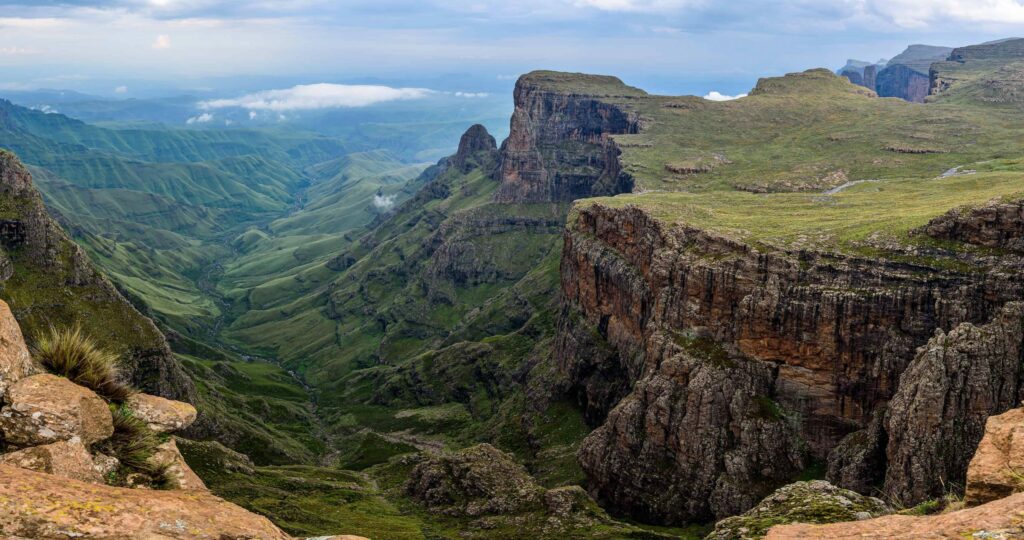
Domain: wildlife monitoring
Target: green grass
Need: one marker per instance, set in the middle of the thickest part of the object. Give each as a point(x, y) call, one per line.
point(134, 444)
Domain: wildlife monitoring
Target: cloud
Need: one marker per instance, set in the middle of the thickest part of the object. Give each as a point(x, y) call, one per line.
point(384, 202)
point(14, 51)
point(472, 94)
point(917, 14)
point(163, 41)
point(317, 96)
point(121, 89)
point(718, 96)
point(638, 5)
point(201, 119)
point(46, 109)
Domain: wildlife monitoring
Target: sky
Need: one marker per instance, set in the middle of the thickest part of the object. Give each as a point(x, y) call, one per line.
point(247, 50)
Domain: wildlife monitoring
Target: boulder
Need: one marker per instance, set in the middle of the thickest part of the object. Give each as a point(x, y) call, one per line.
point(168, 454)
point(69, 459)
point(815, 501)
point(997, 519)
point(34, 505)
point(473, 482)
point(161, 414)
point(997, 469)
point(15, 361)
point(45, 408)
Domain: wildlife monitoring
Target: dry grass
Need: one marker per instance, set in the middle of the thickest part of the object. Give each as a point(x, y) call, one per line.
point(134, 445)
point(73, 354)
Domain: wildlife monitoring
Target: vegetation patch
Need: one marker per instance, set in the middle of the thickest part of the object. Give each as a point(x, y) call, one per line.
point(69, 352)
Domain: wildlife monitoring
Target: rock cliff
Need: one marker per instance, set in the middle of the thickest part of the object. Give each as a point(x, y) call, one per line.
point(559, 148)
point(47, 279)
point(769, 358)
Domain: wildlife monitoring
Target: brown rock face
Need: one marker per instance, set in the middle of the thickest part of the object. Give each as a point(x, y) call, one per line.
point(162, 415)
point(475, 141)
point(473, 482)
point(818, 341)
point(33, 505)
point(45, 408)
point(937, 417)
point(559, 147)
point(997, 469)
point(998, 224)
point(997, 519)
point(168, 454)
point(15, 361)
point(66, 458)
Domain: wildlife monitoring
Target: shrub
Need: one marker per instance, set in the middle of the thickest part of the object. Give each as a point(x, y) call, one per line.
point(71, 353)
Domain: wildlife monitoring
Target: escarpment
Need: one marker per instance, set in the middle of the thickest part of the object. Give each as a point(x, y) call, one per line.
point(47, 279)
point(770, 358)
point(559, 147)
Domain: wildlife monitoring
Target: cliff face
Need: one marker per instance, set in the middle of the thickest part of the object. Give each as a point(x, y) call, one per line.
point(559, 148)
point(902, 82)
point(765, 358)
point(47, 279)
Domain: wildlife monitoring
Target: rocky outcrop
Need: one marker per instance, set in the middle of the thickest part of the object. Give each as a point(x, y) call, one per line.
point(937, 417)
point(160, 414)
point(997, 468)
point(69, 459)
point(997, 519)
point(902, 82)
point(826, 339)
point(476, 146)
point(168, 455)
point(45, 408)
point(870, 77)
point(473, 482)
point(698, 406)
point(802, 502)
point(33, 505)
point(996, 224)
point(15, 361)
point(559, 147)
point(47, 279)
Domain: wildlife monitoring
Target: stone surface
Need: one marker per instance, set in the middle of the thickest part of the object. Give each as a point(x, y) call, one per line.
point(997, 469)
point(558, 148)
point(161, 414)
point(816, 501)
point(33, 505)
point(473, 482)
point(45, 408)
point(69, 459)
point(832, 336)
point(15, 361)
point(937, 417)
point(168, 454)
point(1001, 519)
point(998, 224)
point(476, 147)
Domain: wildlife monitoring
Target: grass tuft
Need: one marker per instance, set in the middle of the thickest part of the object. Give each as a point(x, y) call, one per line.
point(134, 444)
point(73, 354)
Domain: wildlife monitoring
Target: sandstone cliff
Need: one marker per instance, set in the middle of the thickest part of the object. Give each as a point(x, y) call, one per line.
point(559, 148)
point(769, 358)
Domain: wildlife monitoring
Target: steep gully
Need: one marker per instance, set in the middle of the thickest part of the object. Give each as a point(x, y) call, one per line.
point(714, 372)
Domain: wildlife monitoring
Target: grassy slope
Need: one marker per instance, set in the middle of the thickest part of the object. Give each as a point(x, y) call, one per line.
point(769, 158)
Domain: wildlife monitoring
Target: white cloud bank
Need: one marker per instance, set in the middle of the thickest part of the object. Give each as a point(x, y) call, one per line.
point(317, 96)
point(201, 119)
point(121, 90)
point(718, 96)
point(163, 41)
point(384, 202)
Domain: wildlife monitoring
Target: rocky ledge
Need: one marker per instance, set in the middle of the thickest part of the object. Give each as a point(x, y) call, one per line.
point(714, 372)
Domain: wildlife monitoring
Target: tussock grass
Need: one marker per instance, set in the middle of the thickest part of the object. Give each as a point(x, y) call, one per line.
point(73, 354)
point(134, 445)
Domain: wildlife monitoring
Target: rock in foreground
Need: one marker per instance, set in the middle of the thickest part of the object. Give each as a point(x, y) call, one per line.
point(816, 501)
point(45, 408)
point(15, 360)
point(160, 414)
point(997, 469)
point(999, 519)
point(33, 505)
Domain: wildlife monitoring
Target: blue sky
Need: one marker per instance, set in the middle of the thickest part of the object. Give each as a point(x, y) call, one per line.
point(131, 47)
